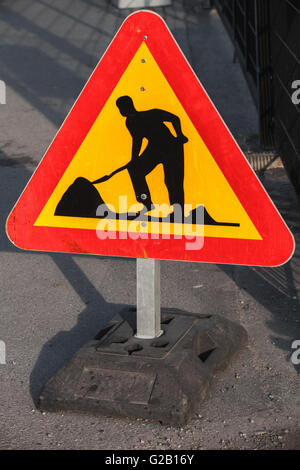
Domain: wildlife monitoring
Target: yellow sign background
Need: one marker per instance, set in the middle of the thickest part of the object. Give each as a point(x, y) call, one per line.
point(107, 147)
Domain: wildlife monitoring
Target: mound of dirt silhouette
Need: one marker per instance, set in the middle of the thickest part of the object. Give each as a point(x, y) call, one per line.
point(80, 200)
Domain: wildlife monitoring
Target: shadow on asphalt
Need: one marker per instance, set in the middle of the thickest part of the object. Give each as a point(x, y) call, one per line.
point(90, 321)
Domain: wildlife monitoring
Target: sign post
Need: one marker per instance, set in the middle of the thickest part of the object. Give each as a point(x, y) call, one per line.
point(148, 298)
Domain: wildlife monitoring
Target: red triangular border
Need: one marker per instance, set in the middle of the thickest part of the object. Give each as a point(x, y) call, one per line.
point(277, 245)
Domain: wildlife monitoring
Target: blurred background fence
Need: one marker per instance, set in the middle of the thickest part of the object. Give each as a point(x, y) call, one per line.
point(266, 37)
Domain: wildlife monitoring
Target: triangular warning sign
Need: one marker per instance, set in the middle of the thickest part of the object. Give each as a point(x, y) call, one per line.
point(144, 166)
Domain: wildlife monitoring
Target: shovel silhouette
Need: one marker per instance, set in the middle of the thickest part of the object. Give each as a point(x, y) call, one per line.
point(107, 177)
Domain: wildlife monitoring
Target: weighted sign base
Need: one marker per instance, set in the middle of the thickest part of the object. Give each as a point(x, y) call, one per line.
point(163, 379)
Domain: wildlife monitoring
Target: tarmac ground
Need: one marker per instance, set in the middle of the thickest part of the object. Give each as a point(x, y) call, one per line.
point(52, 304)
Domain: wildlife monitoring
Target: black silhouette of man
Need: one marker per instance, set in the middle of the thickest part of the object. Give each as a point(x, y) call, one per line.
point(162, 148)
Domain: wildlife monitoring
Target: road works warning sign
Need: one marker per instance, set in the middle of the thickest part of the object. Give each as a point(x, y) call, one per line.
point(144, 166)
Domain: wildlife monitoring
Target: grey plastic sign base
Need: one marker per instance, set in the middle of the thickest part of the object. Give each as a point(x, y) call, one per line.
point(163, 379)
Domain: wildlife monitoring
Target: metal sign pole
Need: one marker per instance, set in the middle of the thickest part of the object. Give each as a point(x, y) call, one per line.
point(148, 298)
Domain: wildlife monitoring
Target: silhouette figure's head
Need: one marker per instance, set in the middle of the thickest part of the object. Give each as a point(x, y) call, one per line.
point(125, 105)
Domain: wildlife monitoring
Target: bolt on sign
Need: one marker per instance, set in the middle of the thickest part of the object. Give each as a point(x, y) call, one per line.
point(144, 166)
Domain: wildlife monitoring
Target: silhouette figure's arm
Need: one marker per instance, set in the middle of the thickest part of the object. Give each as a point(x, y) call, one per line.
point(175, 121)
point(136, 147)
